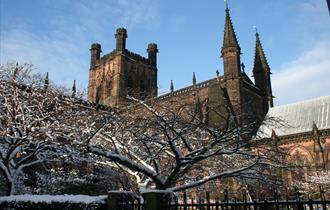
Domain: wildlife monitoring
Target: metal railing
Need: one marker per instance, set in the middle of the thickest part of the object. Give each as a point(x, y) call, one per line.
point(276, 202)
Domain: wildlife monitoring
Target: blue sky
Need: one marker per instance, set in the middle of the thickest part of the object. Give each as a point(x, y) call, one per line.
point(55, 35)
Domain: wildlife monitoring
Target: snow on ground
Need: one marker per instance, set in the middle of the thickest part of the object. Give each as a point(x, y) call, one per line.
point(54, 198)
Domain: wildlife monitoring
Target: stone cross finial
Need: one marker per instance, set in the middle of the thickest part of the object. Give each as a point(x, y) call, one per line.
point(255, 29)
point(226, 1)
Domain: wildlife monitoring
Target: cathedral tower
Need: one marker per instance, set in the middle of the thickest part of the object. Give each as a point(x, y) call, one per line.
point(120, 73)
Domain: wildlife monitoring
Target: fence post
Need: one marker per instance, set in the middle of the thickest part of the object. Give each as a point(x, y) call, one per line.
point(255, 205)
point(116, 197)
point(158, 199)
point(265, 204)
point(300, 205)
point(276, 199)
point(226, 198)
point(310, 202)
point(324, 205)
point(235, 203)
point(185, 200)
point(245, 200)
point(287, 202)
point(208, 200)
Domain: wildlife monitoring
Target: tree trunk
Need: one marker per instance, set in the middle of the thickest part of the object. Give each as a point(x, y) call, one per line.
point(161, 187)
point(10, 187)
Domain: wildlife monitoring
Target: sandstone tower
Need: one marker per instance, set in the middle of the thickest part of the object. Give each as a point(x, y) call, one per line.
point(121, 72)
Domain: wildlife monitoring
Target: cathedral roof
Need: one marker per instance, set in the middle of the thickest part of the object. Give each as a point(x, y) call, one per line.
point(298, 117)
point(247, 79)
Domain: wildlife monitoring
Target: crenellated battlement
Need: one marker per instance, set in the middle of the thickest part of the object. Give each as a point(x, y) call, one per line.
point(131, 55)
point(109, 55)
point(136, 57)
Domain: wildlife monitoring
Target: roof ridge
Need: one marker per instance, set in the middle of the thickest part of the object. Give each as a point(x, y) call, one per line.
point(304, 101)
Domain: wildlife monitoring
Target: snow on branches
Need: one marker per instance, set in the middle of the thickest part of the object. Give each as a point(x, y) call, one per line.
point(38, 122)
point(167, 146)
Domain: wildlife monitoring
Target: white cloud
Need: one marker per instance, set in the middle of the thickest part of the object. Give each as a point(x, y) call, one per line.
point(63, 50)
point(59, 57)
point(306, 77)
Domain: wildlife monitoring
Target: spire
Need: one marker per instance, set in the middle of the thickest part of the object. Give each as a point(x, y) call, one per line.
point(172, 86)
point(74, 89)
point(260, 60)
point(194, 79)
point(46, 82)
point(230, 51)
point(229, 38)
point(261, 74)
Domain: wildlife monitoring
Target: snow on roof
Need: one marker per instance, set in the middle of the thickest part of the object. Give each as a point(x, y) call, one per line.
point(299, 117)
point(54, 198)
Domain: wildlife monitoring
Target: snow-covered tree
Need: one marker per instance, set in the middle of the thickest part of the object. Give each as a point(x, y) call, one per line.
point(163, 146)
point(169, 146)
point(314, 184)
point(40, 123)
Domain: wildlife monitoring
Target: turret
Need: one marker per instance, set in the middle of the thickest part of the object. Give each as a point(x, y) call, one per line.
point(152, 54)
point(261, 74)
point(230, 53)
point(95, 53)
point(121, 35)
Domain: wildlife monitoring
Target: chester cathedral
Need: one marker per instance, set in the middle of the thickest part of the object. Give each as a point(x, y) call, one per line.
point(120, 73)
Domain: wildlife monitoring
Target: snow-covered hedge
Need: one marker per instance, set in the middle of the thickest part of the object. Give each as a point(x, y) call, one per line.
point(53, 202)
